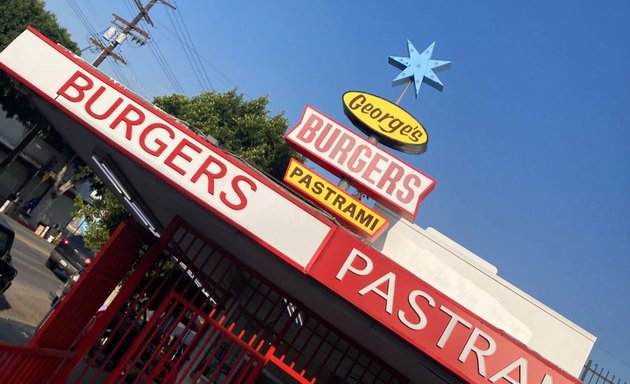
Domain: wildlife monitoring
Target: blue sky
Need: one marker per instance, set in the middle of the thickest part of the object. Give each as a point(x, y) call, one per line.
point(528, 140)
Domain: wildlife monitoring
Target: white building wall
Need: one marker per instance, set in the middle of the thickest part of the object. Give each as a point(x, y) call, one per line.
point(474, 283)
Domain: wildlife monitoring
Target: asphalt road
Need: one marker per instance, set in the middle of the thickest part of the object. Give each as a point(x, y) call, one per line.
point(27, 301)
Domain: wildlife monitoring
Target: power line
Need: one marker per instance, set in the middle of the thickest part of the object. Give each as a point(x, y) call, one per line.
point(160, 58)
point(194, 48)
point(182, 34)
point(134, 76)
point(187, 53)
point(121, 76)
point(87, 24)
point(127, 29)
point(93, 11)
point(227, 79)
point(214, 68)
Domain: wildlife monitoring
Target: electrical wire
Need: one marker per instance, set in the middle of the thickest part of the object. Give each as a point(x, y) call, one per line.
point(194, 48)
point(119, 74)
point(182, 34)
point(134, 77)
point(159, 56)
point(83, 18)
point(186, 53)
point(161, 60)
point(223, 76)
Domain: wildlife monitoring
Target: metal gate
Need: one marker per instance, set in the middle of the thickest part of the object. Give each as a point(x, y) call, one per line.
point(592, 373)
point(199, 316)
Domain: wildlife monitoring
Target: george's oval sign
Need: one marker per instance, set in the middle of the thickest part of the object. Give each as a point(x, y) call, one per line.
point(394, 126)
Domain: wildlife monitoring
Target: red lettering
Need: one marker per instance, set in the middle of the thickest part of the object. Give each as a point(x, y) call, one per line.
point(356, 165)
point(319, 142)
point(161, 146)
point(179, 152)
point(93, 98)
point(309, 129)
point(129, 123)
point(392, 175)
point(242, 199)
point(372, 167)
point(212, 176)
point(342, 147)
point(410, 183)
point(80, 89)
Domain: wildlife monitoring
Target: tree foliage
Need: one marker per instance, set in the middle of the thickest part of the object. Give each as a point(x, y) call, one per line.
point(15, 16)
point(243, 126)
point(102, 216)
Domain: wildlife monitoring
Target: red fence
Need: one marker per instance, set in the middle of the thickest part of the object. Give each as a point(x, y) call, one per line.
point(21, 364)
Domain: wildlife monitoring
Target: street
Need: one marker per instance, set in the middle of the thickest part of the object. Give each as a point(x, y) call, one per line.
point(27, 301)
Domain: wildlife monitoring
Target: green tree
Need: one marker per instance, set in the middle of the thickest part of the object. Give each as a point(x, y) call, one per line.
point(243, 126)
point(102, 216)
point(15, 16)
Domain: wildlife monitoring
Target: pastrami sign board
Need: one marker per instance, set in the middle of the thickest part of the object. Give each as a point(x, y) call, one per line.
point(157, 142)
point(361, 218)
point(432, 322)
point(375, 172)
point(378, 117)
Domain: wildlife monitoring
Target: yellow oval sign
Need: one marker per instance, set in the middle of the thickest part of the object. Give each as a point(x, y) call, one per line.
point(394, 126)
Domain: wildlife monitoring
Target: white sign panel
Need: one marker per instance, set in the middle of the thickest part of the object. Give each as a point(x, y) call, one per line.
point(171, 151)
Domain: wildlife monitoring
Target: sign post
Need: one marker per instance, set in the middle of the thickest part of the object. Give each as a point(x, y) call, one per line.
point(375, 173)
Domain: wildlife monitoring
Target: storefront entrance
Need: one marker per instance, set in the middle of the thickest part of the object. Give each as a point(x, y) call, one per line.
point(198, 316)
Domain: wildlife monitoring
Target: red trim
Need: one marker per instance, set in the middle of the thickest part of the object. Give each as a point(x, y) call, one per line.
point(425, 339)
point(161, 114)
point(387, 202)
point(285, 368)
point(91, 70)
point(342, 239)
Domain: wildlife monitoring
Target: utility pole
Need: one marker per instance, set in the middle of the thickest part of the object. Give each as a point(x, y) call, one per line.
point(127, 28)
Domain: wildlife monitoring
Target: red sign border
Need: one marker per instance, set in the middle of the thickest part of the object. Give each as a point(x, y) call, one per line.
point(136, 99)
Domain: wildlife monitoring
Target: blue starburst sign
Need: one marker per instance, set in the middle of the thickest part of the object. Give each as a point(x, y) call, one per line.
point(419, 68)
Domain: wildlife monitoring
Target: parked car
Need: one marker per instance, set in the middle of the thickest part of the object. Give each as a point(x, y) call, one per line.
point(70, 256)
point(7, 272)
point(58, 293)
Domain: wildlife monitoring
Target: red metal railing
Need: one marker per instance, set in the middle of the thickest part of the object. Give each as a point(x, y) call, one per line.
point(193, 313)
point(198, 315)
point(21, 364)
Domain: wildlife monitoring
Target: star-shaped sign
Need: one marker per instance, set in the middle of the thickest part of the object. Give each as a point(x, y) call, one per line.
point(420, 67)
